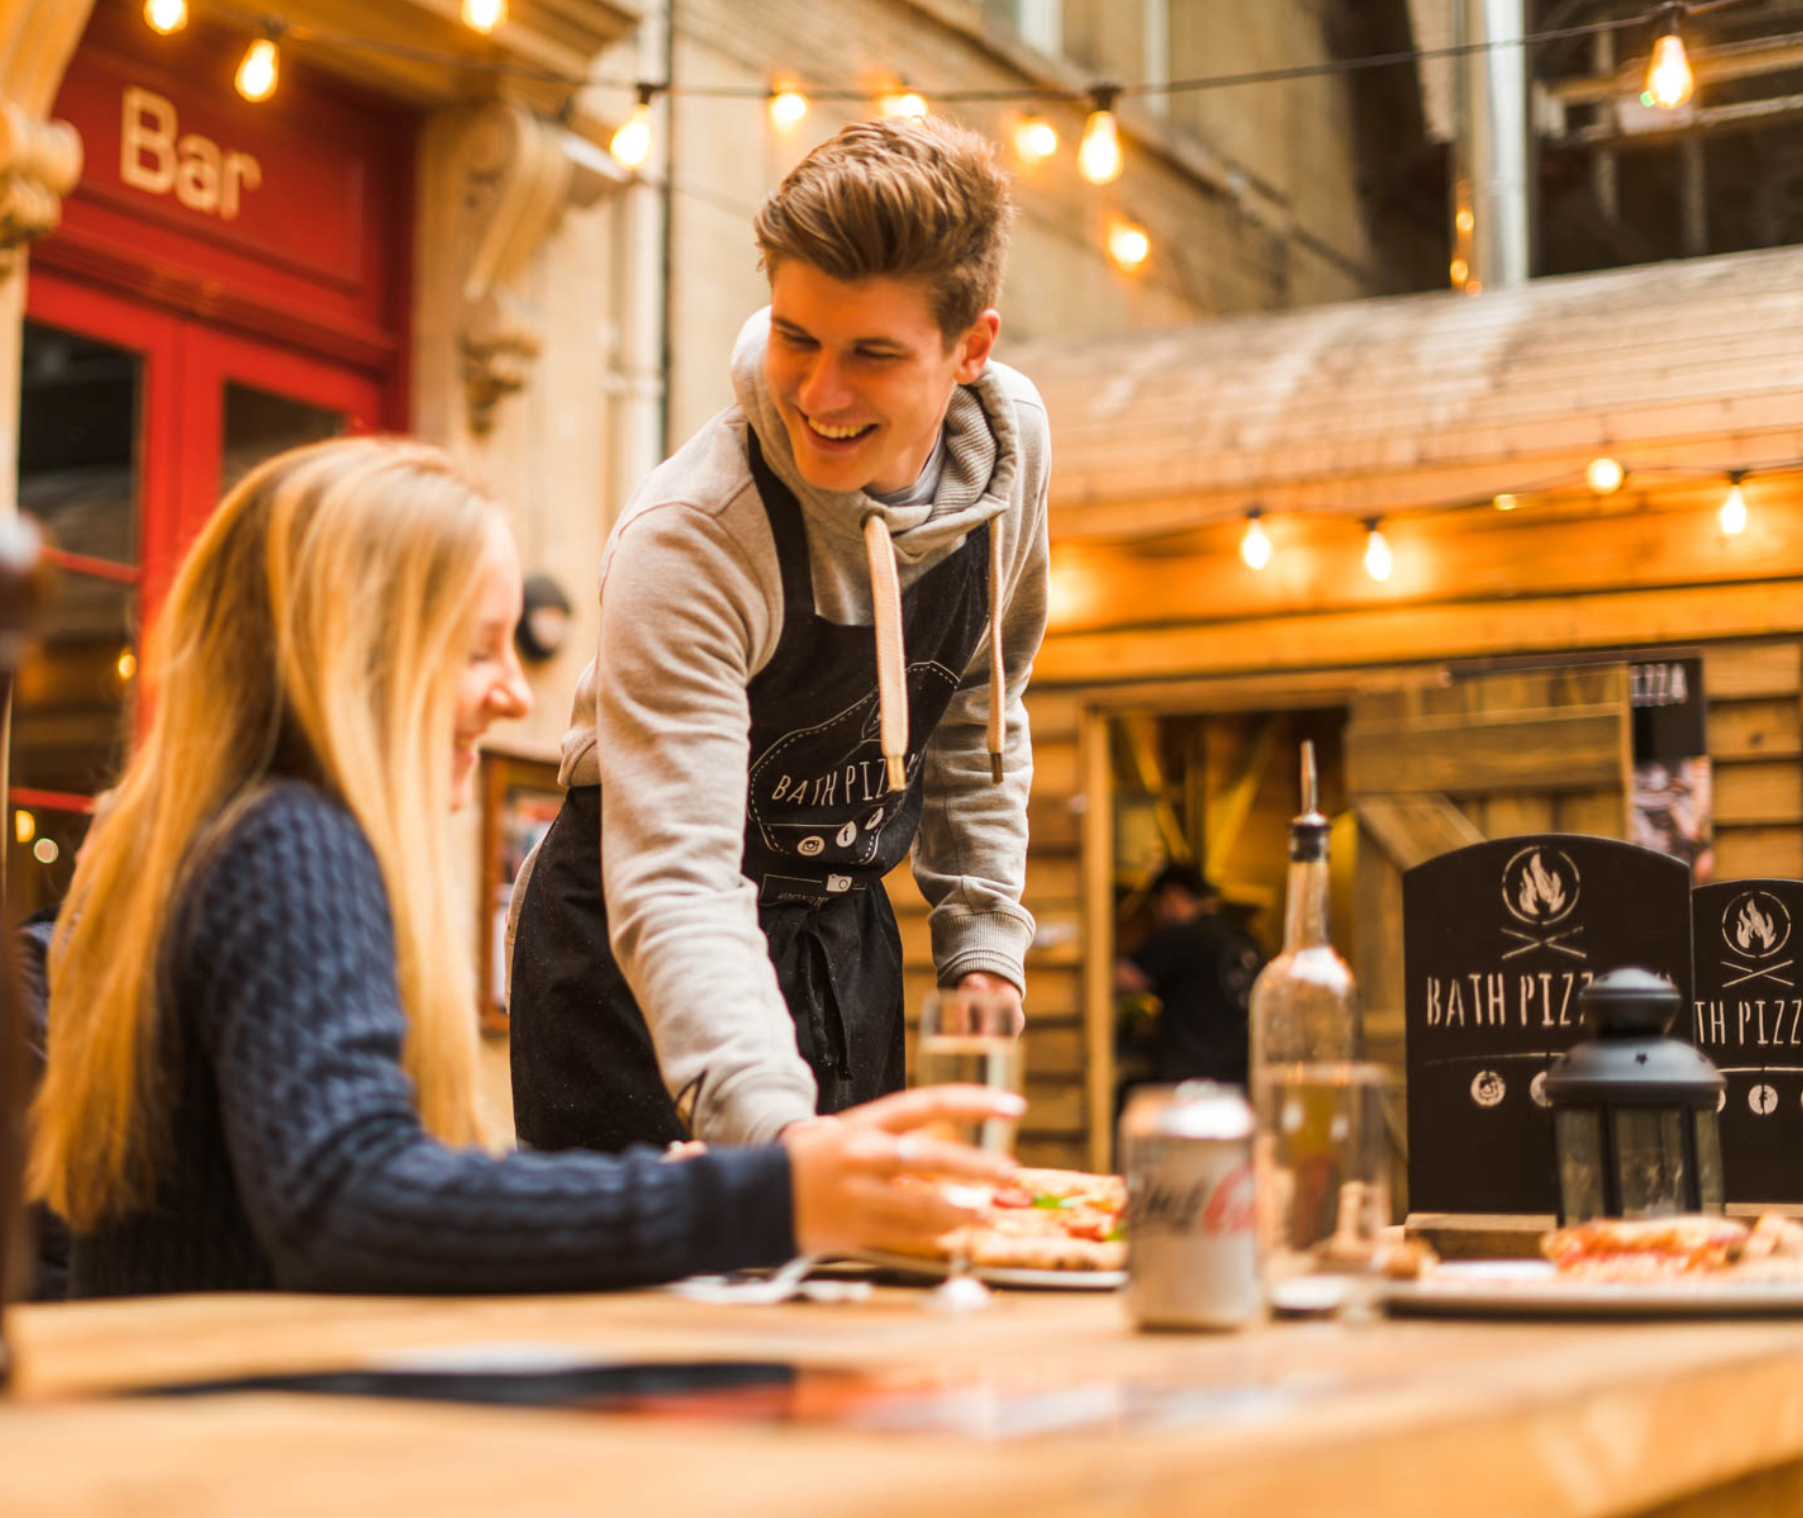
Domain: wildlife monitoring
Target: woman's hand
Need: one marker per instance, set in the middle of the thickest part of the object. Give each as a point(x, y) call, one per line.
point(844, 1169)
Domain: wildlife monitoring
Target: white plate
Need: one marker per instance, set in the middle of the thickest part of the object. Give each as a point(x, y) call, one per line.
point(1003, 1275)
point(1534, 1289)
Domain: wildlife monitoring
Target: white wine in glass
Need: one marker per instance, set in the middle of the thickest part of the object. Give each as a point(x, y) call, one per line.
point(969, 1036)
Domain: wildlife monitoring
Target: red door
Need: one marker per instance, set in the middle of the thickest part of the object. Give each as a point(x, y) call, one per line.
point(168, 348)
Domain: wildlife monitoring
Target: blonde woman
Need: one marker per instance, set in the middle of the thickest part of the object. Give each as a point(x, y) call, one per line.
point(261, 1063)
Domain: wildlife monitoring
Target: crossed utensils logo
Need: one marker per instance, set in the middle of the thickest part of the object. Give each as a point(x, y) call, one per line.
point(1540, 888)
point(1756, 927)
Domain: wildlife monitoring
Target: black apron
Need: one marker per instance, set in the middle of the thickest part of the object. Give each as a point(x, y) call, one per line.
point(820, 833)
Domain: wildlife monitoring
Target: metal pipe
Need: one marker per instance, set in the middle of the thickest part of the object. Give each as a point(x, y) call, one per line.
point(1493, 143)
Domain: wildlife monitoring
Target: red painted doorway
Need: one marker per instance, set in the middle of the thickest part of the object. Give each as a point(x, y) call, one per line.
point(168, 347)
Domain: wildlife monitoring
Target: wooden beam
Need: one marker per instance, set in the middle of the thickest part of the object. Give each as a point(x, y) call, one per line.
point(1478, 752)
point(1413, 829)
point(1097, 933)
point(1554, 626)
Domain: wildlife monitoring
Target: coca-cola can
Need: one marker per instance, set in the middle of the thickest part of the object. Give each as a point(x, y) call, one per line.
point(1191, 1256)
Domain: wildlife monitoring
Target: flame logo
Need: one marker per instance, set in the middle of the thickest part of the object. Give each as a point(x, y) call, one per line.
point(1541, 893)
point(1755, 932)
point(1755, 924)
point(1540, 886)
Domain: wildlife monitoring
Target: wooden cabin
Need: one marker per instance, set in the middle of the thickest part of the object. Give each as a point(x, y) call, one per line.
point(1482, 690)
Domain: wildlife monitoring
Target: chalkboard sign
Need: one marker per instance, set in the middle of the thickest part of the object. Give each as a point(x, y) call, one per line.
point(1498, 940)
point(1747, 1016)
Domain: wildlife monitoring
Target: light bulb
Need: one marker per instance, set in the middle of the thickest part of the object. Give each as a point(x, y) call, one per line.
point(787, 107)
point(1464, 221)
point(165, 16)
point(1378, 562)
point(25, 825)
point(127, 665)
point(1505, 502)
point(1099, 154)
point(904, 103)
point(45, 851)
point(1035, 139)
point(1460, 271)
point(1255, 546)
point(1128, 245)
point(484, 15)
point(1669, 81)
point(258, 72)
point(1734, 511)
point(631, 144)
point(1604, 475)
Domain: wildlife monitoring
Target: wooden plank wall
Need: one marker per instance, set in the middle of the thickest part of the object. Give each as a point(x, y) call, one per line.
point(1056, 1128)
point(1755, 736)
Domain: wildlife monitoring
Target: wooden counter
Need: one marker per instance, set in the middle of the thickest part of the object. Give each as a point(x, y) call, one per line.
point(1391, 1419)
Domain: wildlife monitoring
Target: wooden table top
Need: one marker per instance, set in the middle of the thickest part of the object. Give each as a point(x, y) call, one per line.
point(1391, 1418)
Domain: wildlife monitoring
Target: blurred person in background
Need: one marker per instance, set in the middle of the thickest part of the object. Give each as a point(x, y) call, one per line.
point(1201, 967)
point(261, 1063)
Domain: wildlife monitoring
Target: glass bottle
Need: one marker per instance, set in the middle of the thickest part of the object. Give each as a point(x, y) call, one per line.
point(1304, 1007)
point(1317, 1148)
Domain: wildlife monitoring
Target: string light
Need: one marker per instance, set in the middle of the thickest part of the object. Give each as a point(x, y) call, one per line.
point(787, 107)
point(1604, 475)
point(1669, 80)
point(484, 15)
point(1504, 502)
point(261, 68)
point(45, 851)
point(903, 103)
point(1460, 272)
point(631, 144)
point(127, 665)
point(1128, 245)
point(25, 825)
point(164, 17)
point(1255, 546)
point(1035, 139)
point(1099, 154)
point(1733, 514)
point(1378, 561)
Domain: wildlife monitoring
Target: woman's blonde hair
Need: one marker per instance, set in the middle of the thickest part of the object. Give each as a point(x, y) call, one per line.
point(314, 630)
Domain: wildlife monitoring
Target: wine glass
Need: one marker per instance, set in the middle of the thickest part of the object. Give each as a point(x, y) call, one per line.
point(969, 1035)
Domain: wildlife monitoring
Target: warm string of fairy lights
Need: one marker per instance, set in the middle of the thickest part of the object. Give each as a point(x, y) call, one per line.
point(1603, 476)
point(1670, 82)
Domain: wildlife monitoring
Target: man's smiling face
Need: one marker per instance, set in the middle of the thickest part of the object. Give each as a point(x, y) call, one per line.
point(862, 374)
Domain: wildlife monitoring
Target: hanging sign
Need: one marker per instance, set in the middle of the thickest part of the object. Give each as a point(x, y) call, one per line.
point(1672, 810)
point(1747, 1016)
point(1498, 941)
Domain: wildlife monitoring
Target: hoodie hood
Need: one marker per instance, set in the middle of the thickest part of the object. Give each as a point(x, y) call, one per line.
point(982, 460)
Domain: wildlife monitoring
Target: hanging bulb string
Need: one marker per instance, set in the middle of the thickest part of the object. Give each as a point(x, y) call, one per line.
point(514, 68)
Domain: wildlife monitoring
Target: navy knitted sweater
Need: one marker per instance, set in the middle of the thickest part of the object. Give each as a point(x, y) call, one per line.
point(297, 1160)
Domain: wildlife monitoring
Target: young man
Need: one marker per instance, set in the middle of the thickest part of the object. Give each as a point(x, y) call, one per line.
point(817, 622)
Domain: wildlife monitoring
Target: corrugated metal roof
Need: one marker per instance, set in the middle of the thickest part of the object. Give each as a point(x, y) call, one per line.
point(1385, 405)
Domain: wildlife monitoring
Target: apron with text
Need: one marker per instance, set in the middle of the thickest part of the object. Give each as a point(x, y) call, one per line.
point(821, 832)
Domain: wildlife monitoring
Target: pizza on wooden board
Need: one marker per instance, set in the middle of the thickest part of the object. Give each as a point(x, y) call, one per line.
point(1047, 1220)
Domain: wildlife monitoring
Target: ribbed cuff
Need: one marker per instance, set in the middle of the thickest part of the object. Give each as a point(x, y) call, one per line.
point(747, 1211)
point(993, 941)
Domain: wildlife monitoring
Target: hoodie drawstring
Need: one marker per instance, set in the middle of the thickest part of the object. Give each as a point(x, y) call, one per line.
point(891, 658)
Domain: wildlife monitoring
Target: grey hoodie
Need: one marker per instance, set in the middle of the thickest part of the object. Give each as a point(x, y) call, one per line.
point(691, 610)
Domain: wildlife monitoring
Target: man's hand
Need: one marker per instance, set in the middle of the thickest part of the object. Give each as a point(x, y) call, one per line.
point(982, 983)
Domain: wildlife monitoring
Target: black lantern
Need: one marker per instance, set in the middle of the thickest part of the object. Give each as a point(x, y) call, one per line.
point(1634, 1111)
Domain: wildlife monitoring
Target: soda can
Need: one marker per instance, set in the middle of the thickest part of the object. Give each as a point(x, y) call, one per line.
point(1191, 1255)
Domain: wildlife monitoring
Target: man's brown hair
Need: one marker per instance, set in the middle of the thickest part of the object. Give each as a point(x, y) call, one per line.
point(916, 198)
